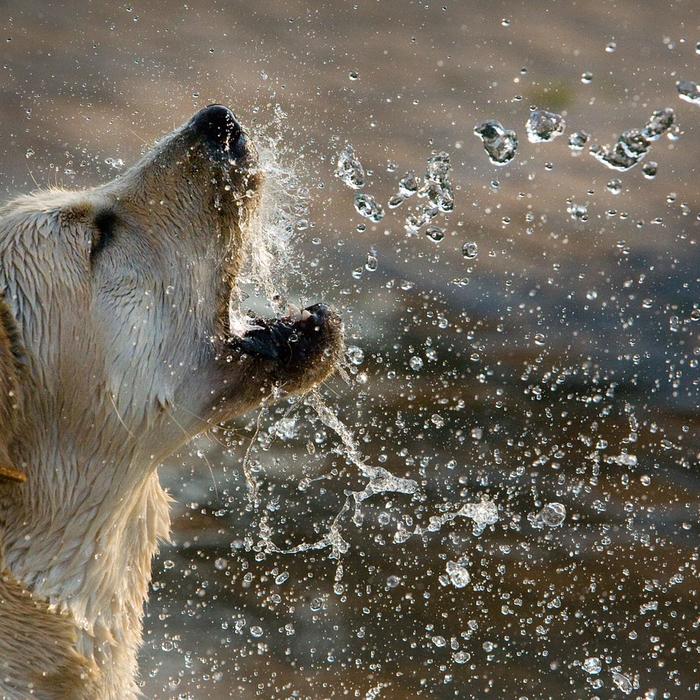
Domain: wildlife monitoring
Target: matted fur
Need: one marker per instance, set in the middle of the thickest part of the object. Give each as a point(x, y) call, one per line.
point(109, 362)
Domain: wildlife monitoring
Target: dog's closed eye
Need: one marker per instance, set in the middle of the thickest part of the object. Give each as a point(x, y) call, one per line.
point(105, 224)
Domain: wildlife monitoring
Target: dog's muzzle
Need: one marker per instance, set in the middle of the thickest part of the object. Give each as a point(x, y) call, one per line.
point(218, 126)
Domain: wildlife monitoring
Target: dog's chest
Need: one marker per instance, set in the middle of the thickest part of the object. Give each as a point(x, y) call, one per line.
point(38, 653)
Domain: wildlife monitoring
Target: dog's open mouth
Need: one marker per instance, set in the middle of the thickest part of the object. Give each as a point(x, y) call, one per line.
point(294, 339)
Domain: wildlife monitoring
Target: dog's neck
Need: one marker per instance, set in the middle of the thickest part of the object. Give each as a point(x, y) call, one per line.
point(82, 536)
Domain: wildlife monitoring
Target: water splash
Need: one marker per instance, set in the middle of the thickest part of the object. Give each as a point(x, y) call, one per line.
point(633, 145)
point(284, 202)
point(379, 480)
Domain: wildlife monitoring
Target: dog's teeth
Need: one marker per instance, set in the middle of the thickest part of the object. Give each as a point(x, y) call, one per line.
point(305, 314)
point(294, 312)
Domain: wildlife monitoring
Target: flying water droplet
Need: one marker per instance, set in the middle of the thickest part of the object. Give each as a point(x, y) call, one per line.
point(500, 144)
point(461, 657)
point(349, 169)
point(650, 169)
point(623, 682)
point(688, 91)
point(578, 140)
point(408, 184)
point(396, 200)
point(614, 186)
point(367, 206)
point(415, 363)
point(435, 233)
point(659, 123)
point(592, 665)
point(578, 212)
point(458, 575)
point(470, 250)
point(552, 515)
point(630, 147)
point(543, 126)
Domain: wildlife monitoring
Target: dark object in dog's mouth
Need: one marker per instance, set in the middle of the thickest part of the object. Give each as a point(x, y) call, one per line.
point(290, 339)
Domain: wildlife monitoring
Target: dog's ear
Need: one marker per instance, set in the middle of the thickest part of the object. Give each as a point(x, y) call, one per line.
point(11, 376)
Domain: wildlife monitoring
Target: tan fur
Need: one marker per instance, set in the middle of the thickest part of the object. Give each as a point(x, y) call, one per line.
point(107, 366)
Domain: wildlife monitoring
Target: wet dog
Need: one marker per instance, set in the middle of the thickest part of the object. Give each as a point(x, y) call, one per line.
point(115, 349)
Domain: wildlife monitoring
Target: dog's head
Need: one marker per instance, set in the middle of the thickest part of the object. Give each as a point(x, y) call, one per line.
point(116, 302)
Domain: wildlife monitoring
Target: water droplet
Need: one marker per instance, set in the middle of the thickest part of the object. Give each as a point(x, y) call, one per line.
point(435, 233)
point(611, 47)
point(437, 420)
point(116, 163)
point(615, 186)
point(543, 126)
point(592, 665)
point(458, 575)
point(355, 355)
point(500, 144)
point(415, 363)
point(408, 184)
point(470, 250)
point(552, 515)
point(688, 91)
point(578, 212)
point(349, 169)
point(353, 75)
point(221, 564)
point(649, 169)
point(367, 206)
point(623, 682)
point(461, 657)
point(630, 148)
point(587, 78)
point(256, 631)
point(659, 123)
point(578, 140)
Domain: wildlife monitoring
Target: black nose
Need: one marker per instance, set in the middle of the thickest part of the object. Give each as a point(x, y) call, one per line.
point(219, 126)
